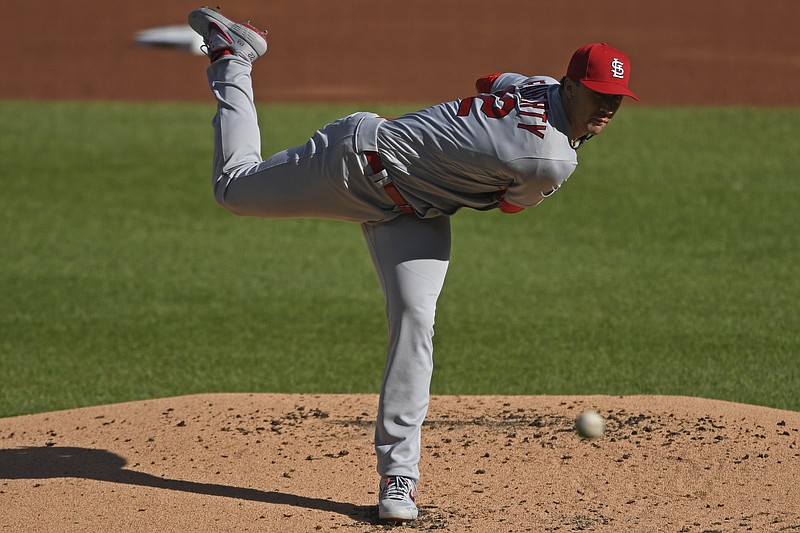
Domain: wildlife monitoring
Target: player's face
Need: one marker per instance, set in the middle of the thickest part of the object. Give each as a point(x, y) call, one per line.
point(589, 111)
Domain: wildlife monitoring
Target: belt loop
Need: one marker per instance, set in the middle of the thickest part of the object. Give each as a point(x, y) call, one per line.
point(374, 162)
point(376, 165)
point(397, 198)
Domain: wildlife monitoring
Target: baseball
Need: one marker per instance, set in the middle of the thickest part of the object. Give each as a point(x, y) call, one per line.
point(590, 424)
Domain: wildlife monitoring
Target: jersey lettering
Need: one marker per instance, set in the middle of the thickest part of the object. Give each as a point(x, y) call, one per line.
point(489, 106)
point(533, 128)
point(532, 103)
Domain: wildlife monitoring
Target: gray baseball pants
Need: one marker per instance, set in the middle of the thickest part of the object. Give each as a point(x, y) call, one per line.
point(329, 178)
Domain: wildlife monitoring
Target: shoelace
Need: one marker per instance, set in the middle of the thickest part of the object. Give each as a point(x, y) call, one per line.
point(398, 488)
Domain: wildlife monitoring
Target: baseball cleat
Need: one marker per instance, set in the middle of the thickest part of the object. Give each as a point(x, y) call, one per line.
point(397, 499)
point(221, 36)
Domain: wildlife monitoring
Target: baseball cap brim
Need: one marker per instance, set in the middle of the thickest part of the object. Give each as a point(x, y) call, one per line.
point(605, 87)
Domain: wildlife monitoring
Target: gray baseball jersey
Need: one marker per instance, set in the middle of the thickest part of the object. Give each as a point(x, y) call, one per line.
point(508, 149)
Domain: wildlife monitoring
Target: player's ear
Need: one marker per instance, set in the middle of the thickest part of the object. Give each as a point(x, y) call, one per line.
point(569, 88)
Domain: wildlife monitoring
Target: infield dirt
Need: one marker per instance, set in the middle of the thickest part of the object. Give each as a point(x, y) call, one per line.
point(291, 463)
point(305, 463)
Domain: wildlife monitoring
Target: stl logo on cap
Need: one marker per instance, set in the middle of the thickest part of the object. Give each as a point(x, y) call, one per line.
point(618, 69)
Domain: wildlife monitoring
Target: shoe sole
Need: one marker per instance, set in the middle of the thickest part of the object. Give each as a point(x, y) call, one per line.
point(243, 35)
point(396, 519)
point(397, 515)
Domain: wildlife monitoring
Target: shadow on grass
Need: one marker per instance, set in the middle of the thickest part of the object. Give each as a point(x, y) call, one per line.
point(102, 465)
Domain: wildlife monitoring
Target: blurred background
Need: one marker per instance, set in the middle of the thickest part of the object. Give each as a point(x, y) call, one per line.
point(684, 52)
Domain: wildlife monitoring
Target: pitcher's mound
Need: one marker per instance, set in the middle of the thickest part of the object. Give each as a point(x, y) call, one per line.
point(296, 463)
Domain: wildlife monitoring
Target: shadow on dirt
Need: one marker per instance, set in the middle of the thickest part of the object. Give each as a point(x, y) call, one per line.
point(102, 465)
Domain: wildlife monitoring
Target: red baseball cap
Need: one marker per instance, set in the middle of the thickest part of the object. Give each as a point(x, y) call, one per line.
point(601, 68)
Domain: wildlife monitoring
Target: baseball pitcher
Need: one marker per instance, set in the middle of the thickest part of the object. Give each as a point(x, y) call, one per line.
point(508, 147)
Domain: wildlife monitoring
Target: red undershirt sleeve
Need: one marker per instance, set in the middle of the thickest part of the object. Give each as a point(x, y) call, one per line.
point(484, 84)
point(508, 208)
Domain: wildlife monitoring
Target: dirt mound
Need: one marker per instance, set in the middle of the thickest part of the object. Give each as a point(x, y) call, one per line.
point(305, 463)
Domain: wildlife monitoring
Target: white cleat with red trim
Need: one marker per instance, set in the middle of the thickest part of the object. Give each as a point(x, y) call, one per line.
point(221, 36)
point(397, 500)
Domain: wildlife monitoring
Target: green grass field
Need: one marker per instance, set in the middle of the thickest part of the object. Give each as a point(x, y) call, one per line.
point(668, 264)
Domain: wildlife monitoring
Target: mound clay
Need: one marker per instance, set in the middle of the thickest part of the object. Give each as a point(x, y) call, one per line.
point(305, 463)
